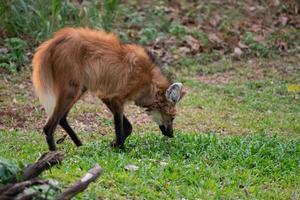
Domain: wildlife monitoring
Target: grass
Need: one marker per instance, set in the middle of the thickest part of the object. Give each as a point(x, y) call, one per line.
point(15, 57)
point(237, 138)
point(191, 165)
point(249, 113)
point(37, 20)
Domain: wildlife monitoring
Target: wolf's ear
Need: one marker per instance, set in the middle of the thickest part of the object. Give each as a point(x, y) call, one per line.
point(175, 92)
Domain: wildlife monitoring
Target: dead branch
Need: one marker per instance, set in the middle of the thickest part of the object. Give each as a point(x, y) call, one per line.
point(14, 190)
point(82, 184)
point(5, 187)
point(28, 196)
point(17, 188)
point(46, 161)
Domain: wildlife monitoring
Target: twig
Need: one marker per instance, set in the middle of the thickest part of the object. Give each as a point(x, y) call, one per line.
point(5, 187)
point(46, 161)
point(28, 196)
point(18, 188)
point(82, 184)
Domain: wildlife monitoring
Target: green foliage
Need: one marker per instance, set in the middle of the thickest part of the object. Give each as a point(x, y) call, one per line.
point(157, 19)
point(177, 29)
point(14, 58)
point(38, 19)
point(258, 49)
point(44, 191)
point(31, 17)
point(7, 171)
point(147, 35)
point(110, 11)
point(214, 67)
point(135, 19)
point(203, 64)
point(290, 38)
point(207, 58)
point(201, 36)
point(142, 27)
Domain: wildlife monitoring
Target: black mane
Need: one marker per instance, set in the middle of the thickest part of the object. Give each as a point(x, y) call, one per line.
point(159, 64)
point(153, 58)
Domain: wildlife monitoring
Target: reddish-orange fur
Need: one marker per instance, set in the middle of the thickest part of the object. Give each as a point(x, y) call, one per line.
point(95, 60)
point(81, 59)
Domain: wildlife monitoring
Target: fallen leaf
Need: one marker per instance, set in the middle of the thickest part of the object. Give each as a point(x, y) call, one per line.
point(256, 28)
point(252, 8)
point(213, 22)
point(238, 51)
point(282, 46)
point(259, 38)
point(293, 88)
point(184, 50)
point(283, 20)
point(276, 2)
point(242, 45)
point(193, 42)
point(214, 38)
point(131, 167)
point(187, 21)
point(3, 50)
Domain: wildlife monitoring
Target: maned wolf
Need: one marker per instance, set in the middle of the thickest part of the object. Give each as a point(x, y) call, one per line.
point(77, 60)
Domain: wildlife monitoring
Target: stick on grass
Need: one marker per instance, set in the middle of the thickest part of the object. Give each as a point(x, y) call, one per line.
point(82, 184)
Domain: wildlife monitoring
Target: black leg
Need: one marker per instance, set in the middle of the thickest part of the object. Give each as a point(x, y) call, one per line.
point(66, 99)
point(127, 127)
point(49, 129)
point(123, 127)
point(126, 124)
point(120, 137)
point(65, 125)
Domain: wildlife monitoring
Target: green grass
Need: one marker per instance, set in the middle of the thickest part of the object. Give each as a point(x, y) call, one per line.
point(237, 130)
point(237, 139)
point(252, 150)
point(37, 20)
point(191, 165)
point(244, 109)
